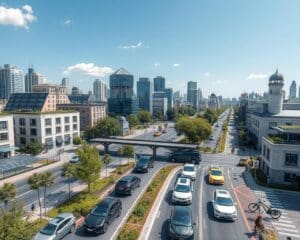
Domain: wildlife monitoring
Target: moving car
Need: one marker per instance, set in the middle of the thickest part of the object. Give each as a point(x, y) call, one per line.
point(74, 159)
point(244, 162)
point(211, 138)
point(224, 206)
point(103, 215)
point(181, 225)
point(189, 171)
point(157, 134)
point(182, 192)
point(143, 164)
point(127, 184)
point(57, 228)
point(216, 176)
point(185, 156)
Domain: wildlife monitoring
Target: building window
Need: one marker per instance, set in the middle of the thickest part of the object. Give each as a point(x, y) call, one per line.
point(289, 177)
point(268, 171)
point(48, 131)
point(23, 140)
point(264, 150)
point(74, 126)
point(74, 119)
point(22, 121)
point(3, 125)
point(272, 124)
point(48, 121)
point(58, 121)
point(33, 132)
point(67, 119)
point(3, 136)
point(23, 131)
point(291, 159)
point(32, 122)
point(268, 154)
point(58, 130)
point(67, 128)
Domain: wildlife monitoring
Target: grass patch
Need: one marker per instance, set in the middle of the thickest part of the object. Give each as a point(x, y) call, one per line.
point(134, 224)
point(206, 149)
point(82, 203)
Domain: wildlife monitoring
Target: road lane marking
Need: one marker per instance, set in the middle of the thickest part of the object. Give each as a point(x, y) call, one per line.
point(289, 234)
point(286, 229)
point(285, 221)
point(158, 213)
point(200, 203)
point(283, 224)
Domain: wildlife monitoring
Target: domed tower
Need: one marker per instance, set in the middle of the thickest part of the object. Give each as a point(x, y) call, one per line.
point(276, 83)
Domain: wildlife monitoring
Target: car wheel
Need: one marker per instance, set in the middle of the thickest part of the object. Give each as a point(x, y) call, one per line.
point(139, 184)
point(105, 227)
point(119, 213)
point(173, 160)
point(72, 228)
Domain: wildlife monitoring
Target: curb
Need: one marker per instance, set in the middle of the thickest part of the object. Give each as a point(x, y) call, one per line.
point(156, 205)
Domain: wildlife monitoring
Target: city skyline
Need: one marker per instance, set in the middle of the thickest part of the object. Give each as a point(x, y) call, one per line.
point(207, 45)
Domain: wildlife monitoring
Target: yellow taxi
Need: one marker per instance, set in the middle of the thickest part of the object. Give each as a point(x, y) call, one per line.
point(157, 134)
point(215, 176)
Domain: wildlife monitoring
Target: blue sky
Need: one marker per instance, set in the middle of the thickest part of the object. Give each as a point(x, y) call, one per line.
point(227, 46)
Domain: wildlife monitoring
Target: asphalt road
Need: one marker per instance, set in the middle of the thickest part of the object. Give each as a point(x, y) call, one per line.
point(127, 203)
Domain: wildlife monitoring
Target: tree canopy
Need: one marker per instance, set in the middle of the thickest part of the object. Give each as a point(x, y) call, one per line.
point(144, 116)
point(126, 151)
point(34, 148)
point(133, 120)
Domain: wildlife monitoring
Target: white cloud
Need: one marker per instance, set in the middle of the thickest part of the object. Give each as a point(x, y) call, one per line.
point(90, 69)
point(176, 65)
point(257, 76)
point(18, 17)
point(206, 74)
point(134, 46)
point(67, 22)
point(156, 64)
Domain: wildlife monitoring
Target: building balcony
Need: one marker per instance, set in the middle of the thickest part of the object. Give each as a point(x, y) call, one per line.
point(282, 139)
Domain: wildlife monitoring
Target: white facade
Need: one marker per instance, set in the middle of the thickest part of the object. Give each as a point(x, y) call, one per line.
point(100, 90)
point(7, 142)
point(160, 105)
point(52, 129)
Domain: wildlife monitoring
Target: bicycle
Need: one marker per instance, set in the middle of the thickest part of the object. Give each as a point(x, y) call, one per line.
point(274, 213)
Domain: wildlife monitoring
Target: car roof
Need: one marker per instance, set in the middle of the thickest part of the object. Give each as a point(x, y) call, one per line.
point(58, 219)
point(107, 202)
point(189, 165)
point(223, 193)
point(145, 157)
point(182, 210)
point(183, 181)
point(127, 178)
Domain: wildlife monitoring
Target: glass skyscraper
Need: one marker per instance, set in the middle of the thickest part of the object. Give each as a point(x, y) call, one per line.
point(144, 93)
point(100, 90)
point(159, 84)
point(169, 96)
point(122, 100)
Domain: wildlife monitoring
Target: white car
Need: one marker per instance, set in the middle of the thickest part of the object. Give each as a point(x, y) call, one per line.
point(74, 159)
point(182, 192)
point(189, 171)
point(224, 206)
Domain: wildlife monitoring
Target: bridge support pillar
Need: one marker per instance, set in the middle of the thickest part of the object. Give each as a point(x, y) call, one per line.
point(106, 147)
point(154, 153)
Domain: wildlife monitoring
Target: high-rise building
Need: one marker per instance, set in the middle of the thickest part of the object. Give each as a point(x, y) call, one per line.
point(144, 93)
point(76, 90)
point(192, 93)
point(65, 83)
point(199, 98)
point(122, 100)
point(11, 81)
point(213, 101)
point(159, 84)
point(100, 90)
point(32, 78)
point(160, 103)
point(293, 91)
point(169, 96)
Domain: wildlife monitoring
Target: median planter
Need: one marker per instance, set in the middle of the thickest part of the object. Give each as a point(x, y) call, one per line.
point(222, 139)
point(135, 222)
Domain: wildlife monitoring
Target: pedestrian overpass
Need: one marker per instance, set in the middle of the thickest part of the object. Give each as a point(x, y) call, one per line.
point(146, 143)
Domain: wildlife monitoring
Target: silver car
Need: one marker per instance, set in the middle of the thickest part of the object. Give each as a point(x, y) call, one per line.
point(57, 228)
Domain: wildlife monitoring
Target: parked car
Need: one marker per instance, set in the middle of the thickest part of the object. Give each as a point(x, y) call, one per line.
point(181, 225)
point(102, 215)
point(244, 162)
point(185, 156)
point(74, 159)
point(223, 205)
point(143, 164)
point(127, 184)
point(182, 193)
point(57, 227)
point(157, 134)
point(216, 176)
point(189, 171)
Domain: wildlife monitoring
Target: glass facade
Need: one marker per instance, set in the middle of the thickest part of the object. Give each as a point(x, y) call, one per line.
point(159, 84)
point(144, 94)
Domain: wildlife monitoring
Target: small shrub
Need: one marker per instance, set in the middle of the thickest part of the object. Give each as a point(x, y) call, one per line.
point(139, 211)
point(77, 140)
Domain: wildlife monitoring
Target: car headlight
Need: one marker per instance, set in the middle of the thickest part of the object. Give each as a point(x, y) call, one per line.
point(217, 211)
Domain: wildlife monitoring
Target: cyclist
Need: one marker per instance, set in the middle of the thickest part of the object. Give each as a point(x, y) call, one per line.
point(259, 224)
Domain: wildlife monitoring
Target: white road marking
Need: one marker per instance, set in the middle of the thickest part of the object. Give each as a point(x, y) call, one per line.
point(286, 229)
point(283, 224)
point(158, 213)
point(284, 217)
point(285, 221)
point(201, 224)
point(289, 234)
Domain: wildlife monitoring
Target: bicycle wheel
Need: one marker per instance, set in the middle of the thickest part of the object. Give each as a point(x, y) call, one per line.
point(275, 213)
point(253, 207)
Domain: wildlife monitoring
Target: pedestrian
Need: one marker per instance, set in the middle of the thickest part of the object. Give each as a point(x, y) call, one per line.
point(259, 224)
point(32, 207)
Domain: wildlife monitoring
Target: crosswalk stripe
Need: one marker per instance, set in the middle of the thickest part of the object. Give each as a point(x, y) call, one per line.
point(289, 234)
point(285, 229)
point(283, 224)
point(284, 217)
point(285, 221)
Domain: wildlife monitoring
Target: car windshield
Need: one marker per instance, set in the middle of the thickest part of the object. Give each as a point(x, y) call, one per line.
point(216, 172)
point(143, 160)
point(181, 219)
point(188, 169)
point(224, 201)
point(182, 188)
point(49, 229)
point(122, 182)
point(100, 211)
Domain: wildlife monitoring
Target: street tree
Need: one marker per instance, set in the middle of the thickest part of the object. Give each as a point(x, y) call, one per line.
point(106, 160)
point(133, 120)
point(106, 127)
point(7, 192)
point(144, 116)
point(89, 167)
point(34, 148)
point(35, 182)
point(127, 151)
point(48, 180)
point(69, 171)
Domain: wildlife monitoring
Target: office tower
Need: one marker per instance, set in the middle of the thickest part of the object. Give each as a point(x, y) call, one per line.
point(122, 100)
point(191, 94)
point(11, 81)
point(159, 84)
point(160, 103)
point(293, 91)
point(100, 90)
point(213, 101)
point(144, 93)
point(75, 90)
point(32, 78)
point(199, 98)
point(169, 96)
point(65, 83)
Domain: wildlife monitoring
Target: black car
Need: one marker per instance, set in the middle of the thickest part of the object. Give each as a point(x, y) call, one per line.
point(102, 215)
point(144, 163)
point(181, 225)
point(127, 184)
point(186, 156)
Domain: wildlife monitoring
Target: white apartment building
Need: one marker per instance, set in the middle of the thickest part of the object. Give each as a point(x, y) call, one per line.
point(7, 143)
point(54, 129)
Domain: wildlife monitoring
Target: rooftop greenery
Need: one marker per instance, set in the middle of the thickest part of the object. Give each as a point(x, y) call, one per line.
point(289, 127)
